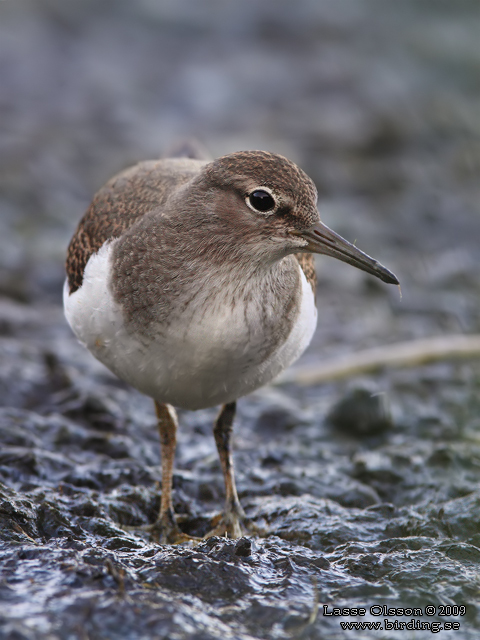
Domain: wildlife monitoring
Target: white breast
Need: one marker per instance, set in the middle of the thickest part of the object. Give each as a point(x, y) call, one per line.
point(200, 362)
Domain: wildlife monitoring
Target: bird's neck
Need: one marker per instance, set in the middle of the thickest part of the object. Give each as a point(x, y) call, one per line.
point(156, 281)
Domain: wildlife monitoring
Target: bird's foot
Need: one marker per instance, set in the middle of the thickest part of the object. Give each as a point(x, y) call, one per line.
point(165, 530)
point(232, 523)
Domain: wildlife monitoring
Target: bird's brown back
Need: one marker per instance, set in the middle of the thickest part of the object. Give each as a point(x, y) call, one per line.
point(114, 209)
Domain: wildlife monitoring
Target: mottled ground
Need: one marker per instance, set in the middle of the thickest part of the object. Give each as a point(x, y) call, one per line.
point(368, 489)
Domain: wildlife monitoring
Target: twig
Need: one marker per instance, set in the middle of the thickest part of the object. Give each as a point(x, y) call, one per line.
point(402, 354)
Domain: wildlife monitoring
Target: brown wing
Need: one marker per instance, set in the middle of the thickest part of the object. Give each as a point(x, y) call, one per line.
point(125, 198)
point(307, 263)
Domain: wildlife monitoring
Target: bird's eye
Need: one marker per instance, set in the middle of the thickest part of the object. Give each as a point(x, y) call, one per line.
point(261, 201)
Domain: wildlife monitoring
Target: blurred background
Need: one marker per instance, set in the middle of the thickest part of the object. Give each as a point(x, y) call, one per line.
point(371, 495)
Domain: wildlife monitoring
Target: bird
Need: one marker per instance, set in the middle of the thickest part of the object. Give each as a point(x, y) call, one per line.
point(193, 280)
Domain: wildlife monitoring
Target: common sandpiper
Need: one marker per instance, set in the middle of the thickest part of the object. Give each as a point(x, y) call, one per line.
point(194, 281)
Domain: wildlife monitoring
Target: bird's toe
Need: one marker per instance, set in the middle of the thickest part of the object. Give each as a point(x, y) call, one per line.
point(233, 523)
point(164, 531)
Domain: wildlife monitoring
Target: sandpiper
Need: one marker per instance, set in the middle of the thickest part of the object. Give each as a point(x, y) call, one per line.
point(194, 281)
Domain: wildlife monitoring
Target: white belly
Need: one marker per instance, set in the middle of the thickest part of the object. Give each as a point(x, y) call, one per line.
point(210, 360)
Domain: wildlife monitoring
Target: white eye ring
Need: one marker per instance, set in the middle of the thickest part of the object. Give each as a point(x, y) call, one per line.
point(261, 200)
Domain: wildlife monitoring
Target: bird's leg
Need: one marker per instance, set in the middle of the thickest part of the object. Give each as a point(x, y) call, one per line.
point(166, 530)
point(233, 521)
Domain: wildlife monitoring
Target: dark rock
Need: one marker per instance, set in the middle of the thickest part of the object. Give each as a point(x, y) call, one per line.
point(361, 412)
point(243, 548)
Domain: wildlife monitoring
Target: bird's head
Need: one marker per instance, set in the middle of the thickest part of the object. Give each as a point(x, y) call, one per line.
point(273, 203)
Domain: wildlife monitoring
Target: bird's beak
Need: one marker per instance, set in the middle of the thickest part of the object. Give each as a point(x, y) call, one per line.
point(323, 240)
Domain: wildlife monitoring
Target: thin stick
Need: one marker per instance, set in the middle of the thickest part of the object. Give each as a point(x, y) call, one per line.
point(402, 354)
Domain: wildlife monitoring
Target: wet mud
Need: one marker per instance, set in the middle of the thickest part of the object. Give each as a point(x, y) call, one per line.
point(366, 490)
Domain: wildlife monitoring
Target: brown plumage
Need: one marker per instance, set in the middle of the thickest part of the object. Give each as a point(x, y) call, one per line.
point(307, 263)
point(124, 199)
point(145, 187)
